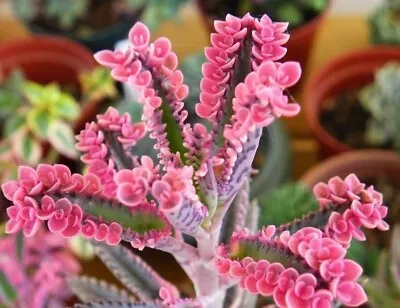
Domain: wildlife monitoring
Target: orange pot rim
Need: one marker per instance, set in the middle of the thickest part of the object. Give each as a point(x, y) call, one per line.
point(351, 161)
point(334, 69)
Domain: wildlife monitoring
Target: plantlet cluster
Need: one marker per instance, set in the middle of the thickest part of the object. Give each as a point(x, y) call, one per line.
point(199, 187)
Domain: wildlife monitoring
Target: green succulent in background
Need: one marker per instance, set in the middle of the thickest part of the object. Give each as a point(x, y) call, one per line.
point(67, 14)
point(157, 10)
point(381, 100)
point(31, 114)
point(97, 84)
point(286, 203)
point(384, 23)
point(383, 288)
point(296, 12)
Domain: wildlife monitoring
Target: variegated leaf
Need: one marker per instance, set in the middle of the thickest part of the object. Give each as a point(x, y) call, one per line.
point(136, 275)
point(116, 304)
point(90, 289)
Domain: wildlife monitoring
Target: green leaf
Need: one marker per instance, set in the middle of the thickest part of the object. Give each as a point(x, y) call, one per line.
point(90, 289)
point(173, 132)
point(10, 93)
point(62, 139)
point(267, 251)
point(34, 93)
point(97, 84)
point(26, 148)
point(7, 291)
point(39, 122)
point(141, 219)
point(66, 107)
point(13, 123)
point(136, 275)
point(191, 69)
point(82, 248)
point(365, 255)
point(19, 245)
point(286, 203)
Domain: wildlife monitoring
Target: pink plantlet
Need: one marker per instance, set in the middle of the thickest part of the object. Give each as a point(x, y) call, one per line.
point(37, 271)
point(197, 178)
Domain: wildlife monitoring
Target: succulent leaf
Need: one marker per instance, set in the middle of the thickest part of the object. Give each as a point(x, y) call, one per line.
point(90, 289)
point(117, 304)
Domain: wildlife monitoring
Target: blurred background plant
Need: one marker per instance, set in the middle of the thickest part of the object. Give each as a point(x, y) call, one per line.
point(33, 270)
point(296, 12)
point(38, 120)
point(381, 270)
point(385, 23)
point(97, 85)
point(96, 23)
point(382, 100)
point(31, 116)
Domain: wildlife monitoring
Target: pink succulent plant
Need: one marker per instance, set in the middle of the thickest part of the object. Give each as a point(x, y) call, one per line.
point(200, 175)
point(38, 275)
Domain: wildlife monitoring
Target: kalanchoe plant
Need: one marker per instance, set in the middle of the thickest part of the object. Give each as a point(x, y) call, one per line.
point(201, 178)
point(385, 23)
point(381, 99)
point(33, 270)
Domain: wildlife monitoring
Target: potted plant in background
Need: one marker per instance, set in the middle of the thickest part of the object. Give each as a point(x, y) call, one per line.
point(34, 116)
point(352, 102)
point(379, 254)
point(98, 24)
point(304, 17)
point(384, 23)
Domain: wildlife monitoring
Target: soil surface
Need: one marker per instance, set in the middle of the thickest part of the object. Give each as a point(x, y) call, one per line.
point(344, 118)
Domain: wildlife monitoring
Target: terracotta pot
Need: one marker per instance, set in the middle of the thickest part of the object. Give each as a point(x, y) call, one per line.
point(45, 59)
point(349, 71)
point(366, 164)
point(301, 38)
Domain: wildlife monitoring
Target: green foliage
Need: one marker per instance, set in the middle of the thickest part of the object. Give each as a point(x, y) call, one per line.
point(384, 23)
point(157, 11)
point(62, 138)
point(82, 248)
point(67, 14)
point(31, 114)
point(6, 289)
point(286, 203)
point(97, 84)
point(381, 99)
point(382, 285)
point(10, 94)
point(365, 255)
point(296, 12)
point(191, 69)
